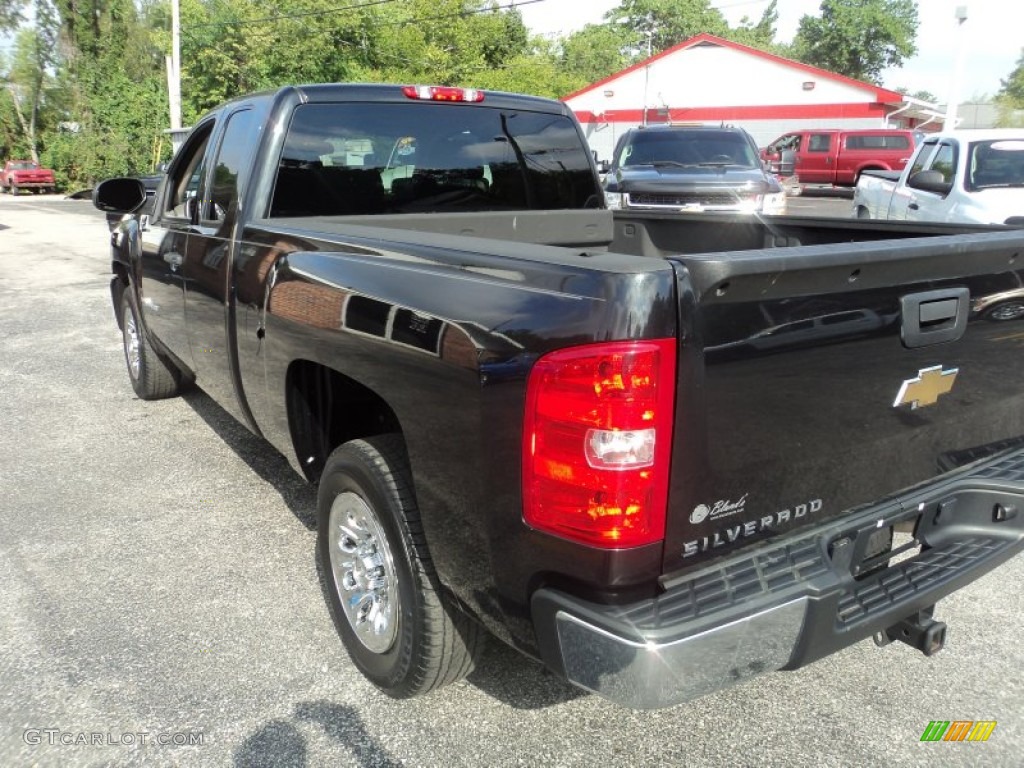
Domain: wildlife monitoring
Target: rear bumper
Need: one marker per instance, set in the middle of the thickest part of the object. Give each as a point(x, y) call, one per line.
point(788, 603)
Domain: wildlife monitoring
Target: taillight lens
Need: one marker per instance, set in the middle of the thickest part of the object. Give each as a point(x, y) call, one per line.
point(596, 442)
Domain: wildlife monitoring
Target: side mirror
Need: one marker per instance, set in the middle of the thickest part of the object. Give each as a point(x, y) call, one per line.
point(122, 195)
point(930, 181)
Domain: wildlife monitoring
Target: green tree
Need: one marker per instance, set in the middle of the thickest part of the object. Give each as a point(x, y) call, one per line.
point(107, 108)
point(26, 81)
point(596, 51)
point(659, 24)
point(1010, 99)
point(858, 38)
point(1013, 86)
point(760, 35)
point(11, 14)
point(920, 95)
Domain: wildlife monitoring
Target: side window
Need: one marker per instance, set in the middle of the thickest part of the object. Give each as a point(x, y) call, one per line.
point(819, 142)
point(187, 173)
point(922, 158)
point(236, 148)
point(787, 143)
point(945, 161)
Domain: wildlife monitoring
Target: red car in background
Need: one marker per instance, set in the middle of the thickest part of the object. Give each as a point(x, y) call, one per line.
point(25, 174)
point(838, 157)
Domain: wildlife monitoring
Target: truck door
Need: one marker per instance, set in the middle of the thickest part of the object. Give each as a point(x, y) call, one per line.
point(165, 245)
point(815, 164)
point(903, 195)
point(208, 262)
point(923, 205)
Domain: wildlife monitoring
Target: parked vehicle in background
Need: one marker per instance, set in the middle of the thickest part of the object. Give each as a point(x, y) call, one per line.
point(25, 174)
point(690, 168)
point(837, 157)
point(970, 176)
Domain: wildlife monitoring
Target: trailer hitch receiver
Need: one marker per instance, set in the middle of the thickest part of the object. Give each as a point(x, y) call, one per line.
point(919, 631)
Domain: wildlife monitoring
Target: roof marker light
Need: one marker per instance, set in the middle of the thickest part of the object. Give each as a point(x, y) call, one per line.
point(442, 93)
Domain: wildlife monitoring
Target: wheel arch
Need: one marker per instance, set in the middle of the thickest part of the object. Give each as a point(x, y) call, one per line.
point(326, 408)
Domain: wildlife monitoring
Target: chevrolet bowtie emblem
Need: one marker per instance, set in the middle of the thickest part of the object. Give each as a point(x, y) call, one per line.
point(927, 388)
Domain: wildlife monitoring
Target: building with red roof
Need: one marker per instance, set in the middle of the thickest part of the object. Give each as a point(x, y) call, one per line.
point(707, 79)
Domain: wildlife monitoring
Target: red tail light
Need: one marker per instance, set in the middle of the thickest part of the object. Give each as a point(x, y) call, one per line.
point(596, 442)
point(442, 93)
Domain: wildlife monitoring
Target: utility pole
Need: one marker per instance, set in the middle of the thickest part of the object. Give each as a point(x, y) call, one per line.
point(953, 101)
point(174, 67)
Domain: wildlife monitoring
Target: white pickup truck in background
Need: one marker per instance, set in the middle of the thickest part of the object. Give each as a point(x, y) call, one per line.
point(969, 176)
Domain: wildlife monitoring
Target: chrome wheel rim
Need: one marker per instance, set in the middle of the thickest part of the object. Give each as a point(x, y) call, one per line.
point(1008, 312)
point(131, 344)
point(363, 572)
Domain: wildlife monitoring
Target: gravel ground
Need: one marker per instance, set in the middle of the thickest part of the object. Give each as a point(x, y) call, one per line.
point(158, 584)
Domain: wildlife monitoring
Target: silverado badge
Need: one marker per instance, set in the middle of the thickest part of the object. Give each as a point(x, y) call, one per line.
point(927, 388)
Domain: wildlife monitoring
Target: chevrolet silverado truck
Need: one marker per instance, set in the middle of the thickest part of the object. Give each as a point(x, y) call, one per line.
point(690, 169)
point(971, 176)
point(25, 174)
point(660, 454)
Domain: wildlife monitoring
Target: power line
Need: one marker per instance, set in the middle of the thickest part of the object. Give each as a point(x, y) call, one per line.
point(461, 14)
point(287, 16)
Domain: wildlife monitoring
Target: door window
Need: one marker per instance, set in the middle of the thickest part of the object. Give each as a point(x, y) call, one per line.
point(922, 157)
point(235, 151)
point(186, 174)
point(945, 161)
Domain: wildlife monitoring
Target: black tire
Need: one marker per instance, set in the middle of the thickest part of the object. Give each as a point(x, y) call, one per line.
point(422, 641)
point(862, 212)
point(14, 189)
point(151, 377)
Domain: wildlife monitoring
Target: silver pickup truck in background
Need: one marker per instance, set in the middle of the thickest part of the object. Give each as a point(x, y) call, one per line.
point(973, 177)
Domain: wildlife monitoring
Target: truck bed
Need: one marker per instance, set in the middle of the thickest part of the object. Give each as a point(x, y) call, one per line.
point(796, 358)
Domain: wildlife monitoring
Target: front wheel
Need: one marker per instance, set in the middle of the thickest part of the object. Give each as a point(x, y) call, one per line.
point(151, 377)
point(380, 583)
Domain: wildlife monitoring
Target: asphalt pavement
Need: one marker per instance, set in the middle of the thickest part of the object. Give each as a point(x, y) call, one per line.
point(159, 603)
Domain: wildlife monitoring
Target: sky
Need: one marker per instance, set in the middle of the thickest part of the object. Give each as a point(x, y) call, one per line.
point(992, 37)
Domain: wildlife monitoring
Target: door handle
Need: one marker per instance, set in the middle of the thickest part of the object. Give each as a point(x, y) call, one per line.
point(914, 206)
point(934, 317)
point(174, 259)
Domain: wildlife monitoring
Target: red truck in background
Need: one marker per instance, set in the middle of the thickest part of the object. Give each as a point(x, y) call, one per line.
point(837, 157)
point(25, 174)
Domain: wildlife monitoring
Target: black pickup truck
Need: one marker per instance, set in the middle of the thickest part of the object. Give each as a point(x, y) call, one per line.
point(660, 454)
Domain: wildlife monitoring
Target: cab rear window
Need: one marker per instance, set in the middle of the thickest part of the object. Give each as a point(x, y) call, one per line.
point(367, 159)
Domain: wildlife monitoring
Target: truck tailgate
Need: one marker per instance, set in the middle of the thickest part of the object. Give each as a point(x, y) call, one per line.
point(819, 379)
